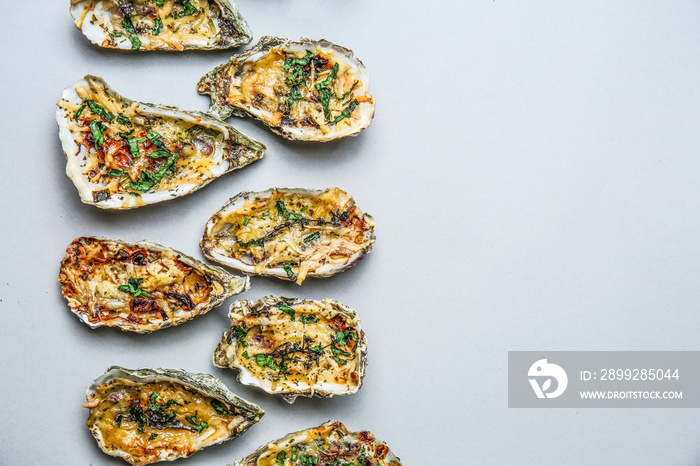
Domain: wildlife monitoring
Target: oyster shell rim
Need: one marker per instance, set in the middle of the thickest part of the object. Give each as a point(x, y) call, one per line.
point(255, 150)
point(232, 284)
point(325, 271)
point(246, 307)
point(203, 382)
point(207, 85)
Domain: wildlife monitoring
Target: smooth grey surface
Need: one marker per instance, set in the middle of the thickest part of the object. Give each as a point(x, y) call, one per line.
point(533, 170)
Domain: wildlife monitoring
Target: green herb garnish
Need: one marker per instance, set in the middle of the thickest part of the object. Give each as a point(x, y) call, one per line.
point(308, 319)
point(280, 458)
point(189, 9)
point(219, 409)
point(240, 332)
point(193, 420)
point(286, 309)
point(308, 460)
point(347, 112)
point(263, 360)
point(245, 354)
point(288, 269)
point(246, 221)
point(312, 236)
point(282, 210)
point(153, 436)
point(122, 120)
point(150, 179)
point(317, 349)
point(99, 110)
point(79, 111)
point(158, 26)
point(253, 242)
point(160, 2)
point(133, 288)
point(135, 41)
point(335, 350)
point(342, 362)
point(116, 173)
point(96, 129)
point(133, 147)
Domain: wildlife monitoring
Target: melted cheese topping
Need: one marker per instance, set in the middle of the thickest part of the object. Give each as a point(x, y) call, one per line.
point(297, 348)
point(127, 419)
point(283, 100)
point(171, 26)
point(298, 232)
point(324, 445)
point(116, 165)
point(94, 270)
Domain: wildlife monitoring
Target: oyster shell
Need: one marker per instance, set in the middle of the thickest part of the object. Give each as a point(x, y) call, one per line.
point(123, 154)
point(140, 287)
point(328, 444)
point(294, 347)
point(305, 90)
point(161, 25)
point(289, 233)
point(150, 415)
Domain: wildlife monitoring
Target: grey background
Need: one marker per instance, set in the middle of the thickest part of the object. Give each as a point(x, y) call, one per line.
point(532, 168)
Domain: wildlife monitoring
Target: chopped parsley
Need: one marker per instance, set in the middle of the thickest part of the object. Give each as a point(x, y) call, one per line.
point(96, 128)
point(288, 268)
point(347, 112)
point(335, 350)
point(153, 436)
point(245, 354)
point(193, 420)
point(253, 242)
point(317, 349)
point(286, 309)
point(133, 288)
point(263, 360)
point(280, 458)
point(342, 362)
point(100, 111)
point(136, 415)
point(158, 26)
point(116, 173)
point(240, 332)
point(135, 41)
point(246, 221)
point(308, 319)
point(160, 2)
point(219, 409)
point(188, 10)
point(133, 147)
point(282, 210)
point(308, 460)
point(312, 236)
point(150, 179)
point(325, 93)
point(122, 120)
point(79, 111)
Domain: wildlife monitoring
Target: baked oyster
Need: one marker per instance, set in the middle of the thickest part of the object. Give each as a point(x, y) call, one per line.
point(140, 287)
point(123, 154)
point(294, 347)
point(290, 234)
point(161, 24)
point(150, 415)
point(305, 90)
point(330, 444)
